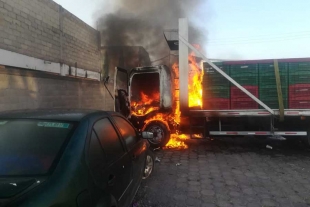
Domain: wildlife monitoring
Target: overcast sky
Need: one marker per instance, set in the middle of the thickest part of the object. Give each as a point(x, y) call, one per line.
point(239, 29)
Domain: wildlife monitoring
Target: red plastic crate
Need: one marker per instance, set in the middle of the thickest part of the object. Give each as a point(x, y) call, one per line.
point(216, 104)
point(299, 104)
point(300, 98)
point(299, 92)
point(237, 93)
point(243, 103)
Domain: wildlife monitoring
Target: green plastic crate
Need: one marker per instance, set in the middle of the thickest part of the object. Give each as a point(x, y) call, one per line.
point(270, 81)
point(274, 104)
point(217, 92)
point(246, 80)
point(245, 74)
point(299, 66)
point(210, 71)
point(215, 81)
point(299, 78)
point(266, 69)
point(299, 72)
point(213, 78)
point(244, 70)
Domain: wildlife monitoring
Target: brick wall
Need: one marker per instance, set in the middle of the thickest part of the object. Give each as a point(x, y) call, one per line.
point(44, 30)
point(26, 89)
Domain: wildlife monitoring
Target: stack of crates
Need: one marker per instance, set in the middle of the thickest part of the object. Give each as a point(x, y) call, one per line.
point(268, 93)
point(247, 76)
point(216, 88)
point(299, 85)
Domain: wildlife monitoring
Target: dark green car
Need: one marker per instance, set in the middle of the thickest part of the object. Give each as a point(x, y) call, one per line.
point(82, 158)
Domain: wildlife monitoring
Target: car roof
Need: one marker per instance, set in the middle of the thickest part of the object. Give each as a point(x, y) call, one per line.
point(52, 114)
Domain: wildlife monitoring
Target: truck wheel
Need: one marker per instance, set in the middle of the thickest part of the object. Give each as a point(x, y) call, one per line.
point(161, 133)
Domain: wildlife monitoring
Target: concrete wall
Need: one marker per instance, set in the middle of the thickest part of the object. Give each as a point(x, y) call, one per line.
point(26, 89)
point(44, 30)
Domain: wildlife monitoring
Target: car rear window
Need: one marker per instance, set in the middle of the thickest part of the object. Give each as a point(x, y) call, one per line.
point(30, 147)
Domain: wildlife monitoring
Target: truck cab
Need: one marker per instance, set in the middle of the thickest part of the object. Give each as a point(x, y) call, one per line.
point(145, 95)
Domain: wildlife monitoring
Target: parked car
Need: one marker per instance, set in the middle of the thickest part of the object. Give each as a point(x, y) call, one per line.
point(83, 158)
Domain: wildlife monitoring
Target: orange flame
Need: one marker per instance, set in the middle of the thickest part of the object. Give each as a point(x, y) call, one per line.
point(177, 141)
point(144, 106)
point(194, 83)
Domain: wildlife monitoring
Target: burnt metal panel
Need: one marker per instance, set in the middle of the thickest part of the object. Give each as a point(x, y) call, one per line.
point(165, 81)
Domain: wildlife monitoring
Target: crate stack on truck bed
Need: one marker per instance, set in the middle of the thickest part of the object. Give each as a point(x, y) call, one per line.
point(259, 78)
point(216, 88)
point(247, 76)
point(268, 87)
point(299, 85)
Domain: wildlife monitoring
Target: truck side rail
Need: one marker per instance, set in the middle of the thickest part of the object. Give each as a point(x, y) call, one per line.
point(256, 112)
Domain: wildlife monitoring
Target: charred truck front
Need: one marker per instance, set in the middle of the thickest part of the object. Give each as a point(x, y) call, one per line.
point(146, 95)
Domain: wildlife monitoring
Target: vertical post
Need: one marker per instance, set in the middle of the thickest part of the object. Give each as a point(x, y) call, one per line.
point(279, 89)
point(183, 65)
point(61, 15)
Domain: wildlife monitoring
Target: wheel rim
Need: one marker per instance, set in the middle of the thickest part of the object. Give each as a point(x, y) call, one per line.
point(149, 163)
point(159, 134)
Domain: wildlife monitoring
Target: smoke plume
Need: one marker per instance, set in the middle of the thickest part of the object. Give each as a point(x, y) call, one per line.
point(142, 23)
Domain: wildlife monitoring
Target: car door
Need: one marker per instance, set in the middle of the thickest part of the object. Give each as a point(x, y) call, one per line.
point(135, 145)
point(110, 165)
point(121, 84)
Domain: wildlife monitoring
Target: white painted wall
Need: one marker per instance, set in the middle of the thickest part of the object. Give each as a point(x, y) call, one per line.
point(13, 59)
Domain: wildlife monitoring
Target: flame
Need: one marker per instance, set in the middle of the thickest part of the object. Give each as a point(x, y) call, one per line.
point(194, 83)
point(160, 117)
point(144, 106)
point(177, 141)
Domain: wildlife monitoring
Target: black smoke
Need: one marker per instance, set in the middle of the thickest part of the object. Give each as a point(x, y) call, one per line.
point(142, 23)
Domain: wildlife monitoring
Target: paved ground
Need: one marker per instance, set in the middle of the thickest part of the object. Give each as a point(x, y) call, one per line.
point(226, 172)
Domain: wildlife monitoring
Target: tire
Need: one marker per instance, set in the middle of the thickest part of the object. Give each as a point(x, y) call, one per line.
point(149, 164)
point(161, 133)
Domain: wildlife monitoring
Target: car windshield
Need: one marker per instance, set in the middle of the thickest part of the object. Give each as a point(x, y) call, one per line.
point(30, 147)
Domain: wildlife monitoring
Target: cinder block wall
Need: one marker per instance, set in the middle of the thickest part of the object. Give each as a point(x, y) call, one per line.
point(26, 89)
point(44, 30)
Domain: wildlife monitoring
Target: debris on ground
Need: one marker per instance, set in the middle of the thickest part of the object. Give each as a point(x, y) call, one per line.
point(157, 159)
point(156, 149)
point(178, 164)
point(268, 147)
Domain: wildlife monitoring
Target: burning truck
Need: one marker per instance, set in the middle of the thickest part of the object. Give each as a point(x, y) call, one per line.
point(262, 98)
point(150, 100)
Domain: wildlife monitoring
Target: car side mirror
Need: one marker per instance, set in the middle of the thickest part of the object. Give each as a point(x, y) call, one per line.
point(147, 135)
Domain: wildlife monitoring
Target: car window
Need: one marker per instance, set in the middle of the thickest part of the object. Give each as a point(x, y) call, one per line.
point(30, 147)
point(128, 132)
point(96, 154)
point(109, 139)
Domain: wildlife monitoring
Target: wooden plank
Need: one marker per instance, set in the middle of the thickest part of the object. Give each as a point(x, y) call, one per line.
point(279, 89)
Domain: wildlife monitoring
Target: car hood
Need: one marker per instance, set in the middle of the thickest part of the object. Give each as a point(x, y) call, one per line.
point(12, 188)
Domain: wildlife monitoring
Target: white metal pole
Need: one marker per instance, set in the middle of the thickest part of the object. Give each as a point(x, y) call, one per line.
point(183, 65)
point(185, 41)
